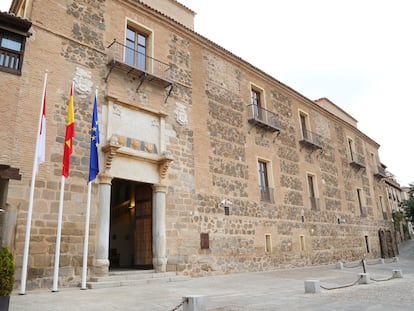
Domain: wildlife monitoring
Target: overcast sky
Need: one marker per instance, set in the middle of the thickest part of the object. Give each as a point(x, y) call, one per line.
point(357, 53)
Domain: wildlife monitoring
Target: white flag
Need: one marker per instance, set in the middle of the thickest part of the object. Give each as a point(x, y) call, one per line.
point(41, 151)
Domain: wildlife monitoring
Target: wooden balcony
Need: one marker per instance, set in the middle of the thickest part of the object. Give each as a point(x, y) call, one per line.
point(263, 118)
point(10, 60)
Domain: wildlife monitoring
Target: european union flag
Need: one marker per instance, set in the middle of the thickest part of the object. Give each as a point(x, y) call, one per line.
point(93, 159)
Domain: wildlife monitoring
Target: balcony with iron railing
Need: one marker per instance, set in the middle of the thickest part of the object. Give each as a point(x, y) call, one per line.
point(379, 172)
point(10, 60)
point(314, 203)
point(266, 194)
point(357, 161)
point(363, 211)
point(311, 140)
point(263, 118)
point(133, 62)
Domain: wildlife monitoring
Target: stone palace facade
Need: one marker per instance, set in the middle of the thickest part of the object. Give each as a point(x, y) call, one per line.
point(208, 165)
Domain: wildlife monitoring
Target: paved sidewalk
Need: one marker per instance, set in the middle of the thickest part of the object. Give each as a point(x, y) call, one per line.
point(274, 290)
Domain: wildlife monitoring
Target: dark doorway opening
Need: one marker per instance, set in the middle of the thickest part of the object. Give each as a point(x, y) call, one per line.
point(130, 241)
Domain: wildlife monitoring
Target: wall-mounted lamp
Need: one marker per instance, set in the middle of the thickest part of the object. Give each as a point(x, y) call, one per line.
point(340, 220)
point(226, 204)
point(132, 200)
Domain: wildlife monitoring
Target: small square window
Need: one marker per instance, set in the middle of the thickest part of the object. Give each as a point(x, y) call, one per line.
point(268, 243)
point(366, 244)
point(302, 243)
point(204, 241)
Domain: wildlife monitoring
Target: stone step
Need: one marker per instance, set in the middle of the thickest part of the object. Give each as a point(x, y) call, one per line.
point(133, 278)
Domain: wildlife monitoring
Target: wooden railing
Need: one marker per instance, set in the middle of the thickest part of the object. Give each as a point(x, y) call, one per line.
point(10, 60)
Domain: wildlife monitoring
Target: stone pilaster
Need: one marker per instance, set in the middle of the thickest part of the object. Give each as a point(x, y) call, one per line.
point(102, 262)
point(158, 228)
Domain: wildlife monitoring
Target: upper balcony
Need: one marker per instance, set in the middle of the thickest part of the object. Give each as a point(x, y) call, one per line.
point(379, 172)
point(267, 194)
point(315, 204)
point(263, 118)
point(145, 67)
point(363, 211)
point(357, 161)
point(311, 140)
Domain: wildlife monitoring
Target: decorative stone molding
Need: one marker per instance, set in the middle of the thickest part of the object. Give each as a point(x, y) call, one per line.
point(83, 82)
point(164, 164)
point(114, 148)
point(105, 179)
point(159, 188)
point(110, 151)
point(181, 114)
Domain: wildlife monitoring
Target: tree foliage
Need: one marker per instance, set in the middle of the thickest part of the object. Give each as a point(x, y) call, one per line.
point(408, 205)
point(6, 272)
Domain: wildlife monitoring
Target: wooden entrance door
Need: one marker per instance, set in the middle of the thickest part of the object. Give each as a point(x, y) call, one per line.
point(143, 227)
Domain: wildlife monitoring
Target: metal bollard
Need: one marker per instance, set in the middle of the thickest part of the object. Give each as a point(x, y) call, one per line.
point(397, 274)
point(364, 278)
point(194, 303)
point(312, 286)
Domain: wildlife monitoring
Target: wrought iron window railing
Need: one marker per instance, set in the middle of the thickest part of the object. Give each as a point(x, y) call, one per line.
point(263, 118)
point(379, 171)
point(311, 139)
point(266, 194)
point(314, 202)
point(120, 54)
point(363, 211)
point(358, 161)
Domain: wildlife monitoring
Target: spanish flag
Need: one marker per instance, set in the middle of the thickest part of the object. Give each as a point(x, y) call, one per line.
point(70, 133)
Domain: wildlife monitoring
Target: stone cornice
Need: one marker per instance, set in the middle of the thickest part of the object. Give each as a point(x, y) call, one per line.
point(137, 107)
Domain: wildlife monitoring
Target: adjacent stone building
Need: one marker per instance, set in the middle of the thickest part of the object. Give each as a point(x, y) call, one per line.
point(208, 165)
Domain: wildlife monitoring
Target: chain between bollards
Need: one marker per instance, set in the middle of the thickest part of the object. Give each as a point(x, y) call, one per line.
point(363, 266)
point(185, 300)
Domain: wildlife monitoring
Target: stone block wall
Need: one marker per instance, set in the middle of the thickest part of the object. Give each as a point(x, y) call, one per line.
point(67, 41)
point(214, 149)
point(237, 242)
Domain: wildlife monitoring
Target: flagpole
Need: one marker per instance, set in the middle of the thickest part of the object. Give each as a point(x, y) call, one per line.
point(32, 186)
point(58, 237)
point(67, 150)
point(85, 243)
point(88, 204)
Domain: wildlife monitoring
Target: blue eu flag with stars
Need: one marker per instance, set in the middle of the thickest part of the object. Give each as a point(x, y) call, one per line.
point(93, 159)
